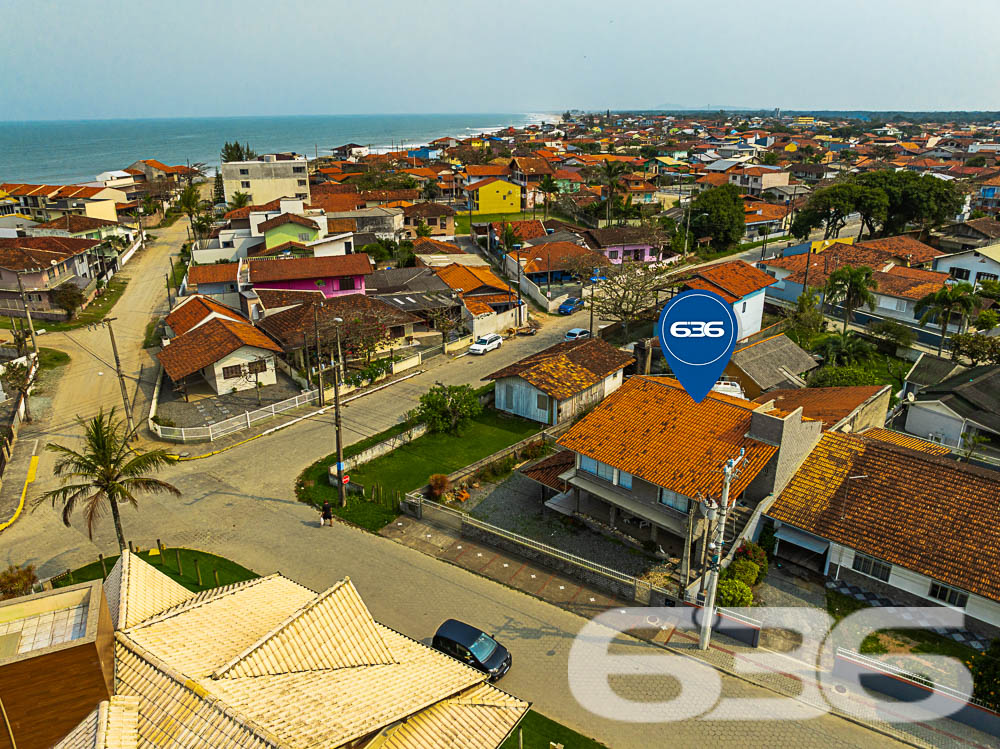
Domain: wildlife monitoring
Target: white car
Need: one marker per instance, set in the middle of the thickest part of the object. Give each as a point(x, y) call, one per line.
point(486, 343)
point(575, 334)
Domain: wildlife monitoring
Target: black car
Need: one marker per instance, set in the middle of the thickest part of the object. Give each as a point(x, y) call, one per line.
point(473, 646)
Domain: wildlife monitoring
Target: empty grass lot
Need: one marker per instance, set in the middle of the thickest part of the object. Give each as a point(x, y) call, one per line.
point(408, 467)
point(538, 732)
point(209, 564)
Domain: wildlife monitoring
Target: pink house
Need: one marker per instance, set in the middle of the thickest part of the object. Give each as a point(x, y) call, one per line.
point(334, 275)
point(621, 243)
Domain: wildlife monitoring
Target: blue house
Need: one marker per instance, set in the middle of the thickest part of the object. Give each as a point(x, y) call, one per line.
point(427, 153)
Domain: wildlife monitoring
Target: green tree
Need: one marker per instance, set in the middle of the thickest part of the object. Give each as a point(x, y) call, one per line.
point(430, 190)
point(718, 212)
point(873, 206)
point(237, 151)
point(733, 593)
point(240, 200)
point(941, 305)
point(611, 172)
point(985, 668)
point(976, 161)
point(423, 230)
point(975, 347)
point(989, 290)
point(828, 207)
point(190, 204)
point(847, 348)
point(630, 291)
point(17, 379)
point(105, 473)
point(218, 189)
point(844, 376)
point(17, 581)
point(851, 287)
point(893, 332)
point(548, 187)
point(448, 408)
point(769, 158)
point(807, 319)
point(68, 297)
point(987, 320)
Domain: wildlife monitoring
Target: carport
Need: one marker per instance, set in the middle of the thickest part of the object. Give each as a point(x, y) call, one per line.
point(801, 548)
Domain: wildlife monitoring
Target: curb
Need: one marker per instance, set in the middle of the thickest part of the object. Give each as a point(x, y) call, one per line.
point(32, 469)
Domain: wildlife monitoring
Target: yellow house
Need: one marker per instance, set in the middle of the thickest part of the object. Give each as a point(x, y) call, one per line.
point(494, 195)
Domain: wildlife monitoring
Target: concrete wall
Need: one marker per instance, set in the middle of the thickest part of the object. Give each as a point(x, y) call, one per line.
point(795, 439)
point(749, 312)
point(872, 412)
point(376, 451)
point(241, 356)
point(268, 180)
point(933, 420)
point(498, 322)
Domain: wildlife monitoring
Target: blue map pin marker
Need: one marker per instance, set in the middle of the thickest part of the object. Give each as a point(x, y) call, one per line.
point(698, 332)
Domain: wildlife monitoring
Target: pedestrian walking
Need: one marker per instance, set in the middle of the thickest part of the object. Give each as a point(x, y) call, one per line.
point(327, 514)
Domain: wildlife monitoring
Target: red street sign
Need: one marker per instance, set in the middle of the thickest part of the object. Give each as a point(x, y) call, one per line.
point(346, 479)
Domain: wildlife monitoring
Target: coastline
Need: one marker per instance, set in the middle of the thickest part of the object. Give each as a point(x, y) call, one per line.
point(67, 152)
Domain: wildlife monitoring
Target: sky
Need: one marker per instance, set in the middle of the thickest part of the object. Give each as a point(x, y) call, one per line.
point(111, 59)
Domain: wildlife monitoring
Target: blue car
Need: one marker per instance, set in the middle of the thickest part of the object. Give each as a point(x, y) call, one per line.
point(570, 306)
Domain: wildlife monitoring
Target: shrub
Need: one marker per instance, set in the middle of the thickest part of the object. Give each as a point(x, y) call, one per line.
point(163, 421)
point(17, 581)
point(744, 570)
point(854, 374)
point(733, 593)
point(756, 554)
point(447, 408)
point(985, 668)
point(439, 484)
point(767, 540)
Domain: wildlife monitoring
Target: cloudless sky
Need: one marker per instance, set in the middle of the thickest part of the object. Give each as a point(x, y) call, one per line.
point(64, 59)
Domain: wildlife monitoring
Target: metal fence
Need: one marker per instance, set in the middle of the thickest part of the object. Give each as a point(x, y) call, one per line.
point(234, 423)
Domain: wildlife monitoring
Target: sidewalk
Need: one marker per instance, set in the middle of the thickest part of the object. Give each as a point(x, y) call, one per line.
point(724, 654)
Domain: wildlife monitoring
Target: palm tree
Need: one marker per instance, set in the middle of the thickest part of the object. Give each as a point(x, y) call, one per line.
point(852, 287)
point(548, 187)
point(190, 204)
point(610, 174)
point(105, 473)
point(240, 200)
point(847, 348)
point(945, 302)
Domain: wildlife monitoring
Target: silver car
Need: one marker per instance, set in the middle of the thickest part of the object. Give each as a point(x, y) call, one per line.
point(486, 343)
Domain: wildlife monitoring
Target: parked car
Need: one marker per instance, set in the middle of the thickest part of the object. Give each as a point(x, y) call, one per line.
point(570, 306)
point(473, 646)
point(486, 343)
point(575, 334)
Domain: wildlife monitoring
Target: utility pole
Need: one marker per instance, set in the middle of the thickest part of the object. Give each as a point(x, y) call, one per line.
point(27, 313)
point(170, 303)
point(118, 368)
point(341, 487)
point(716, 549)
point(319, 359)
point(517, 249)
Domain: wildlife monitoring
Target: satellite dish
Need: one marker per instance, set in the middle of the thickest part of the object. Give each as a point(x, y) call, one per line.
point(910, 398)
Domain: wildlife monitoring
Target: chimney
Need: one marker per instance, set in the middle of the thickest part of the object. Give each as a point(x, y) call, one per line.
point(794, 439)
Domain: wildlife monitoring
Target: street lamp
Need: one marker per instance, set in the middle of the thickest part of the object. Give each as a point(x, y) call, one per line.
point(341, 488)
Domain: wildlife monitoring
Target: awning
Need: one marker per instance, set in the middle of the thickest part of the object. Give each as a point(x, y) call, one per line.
point(801, 538)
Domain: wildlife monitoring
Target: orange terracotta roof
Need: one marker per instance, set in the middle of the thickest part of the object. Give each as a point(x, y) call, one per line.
point(829, 405)
point(652, 429)
point(246, 210)
point(926, 513)
point(906, 440)
point(906, 247)
point(208, 343)
point(523, 230)
point(557, 256)
point(193, 309)
point(429, 246)
point(568, 368)
point(547, 470)
point(290, 269)
point(215, 273)
point(468, 278)
point(732, 280)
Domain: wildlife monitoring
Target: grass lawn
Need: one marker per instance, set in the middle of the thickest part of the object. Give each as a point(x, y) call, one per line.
point(229, 572)
point(462, 218)
point(408, 467)
point(538, 732)
point(150, 337)
point(95, 311)
point(49, 358)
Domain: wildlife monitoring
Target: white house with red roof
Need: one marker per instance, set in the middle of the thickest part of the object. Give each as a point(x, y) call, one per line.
point(741, 285)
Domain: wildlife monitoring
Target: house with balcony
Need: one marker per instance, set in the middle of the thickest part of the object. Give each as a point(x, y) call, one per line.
point(40, 266)
point(560, 382)
point(647, 457)
point(754, 180)
point(47, 202)
point(334, 275)
point(896, 518)
point(987, 198)
point(527, 173)
point(972, 265)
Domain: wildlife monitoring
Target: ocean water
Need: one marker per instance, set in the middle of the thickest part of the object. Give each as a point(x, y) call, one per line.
point(75, 151)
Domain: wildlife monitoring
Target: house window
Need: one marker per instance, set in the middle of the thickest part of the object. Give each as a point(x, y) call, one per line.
point(980, 277)
point(950, 596)
point(624, 480)
point(744, 308)
point(900, 305)
point(432, 222)
point(508, 390)
point(597, 468)
point(244, 172)
point(612, 254)
point(960, 274)
point(304, 237)
point(302, 183)
point(674, 500)
point(298, 170)
point(347, 246)
point(231, 373)
point(347, 284)
point(543, 402)
point(258, 366)
point(871, 567)
point(245, 183)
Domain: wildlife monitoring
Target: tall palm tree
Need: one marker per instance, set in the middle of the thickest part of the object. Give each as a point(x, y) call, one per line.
point(106, 472)
point(548, 187)
point(239, 200)
point(852, 288)
point(611, 172)
point(190, 204)
point(944, 303)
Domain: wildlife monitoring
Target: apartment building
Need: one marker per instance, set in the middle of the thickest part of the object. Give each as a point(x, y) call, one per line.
point(268, 177)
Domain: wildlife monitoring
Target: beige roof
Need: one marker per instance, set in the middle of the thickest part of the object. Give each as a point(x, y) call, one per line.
point(110, 725)
point(269, 663)
point(136, 591)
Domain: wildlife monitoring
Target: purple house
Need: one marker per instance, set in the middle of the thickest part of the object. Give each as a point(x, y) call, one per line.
point(334, 275)
point(621, 243)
